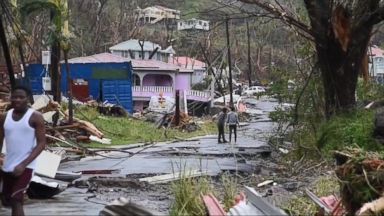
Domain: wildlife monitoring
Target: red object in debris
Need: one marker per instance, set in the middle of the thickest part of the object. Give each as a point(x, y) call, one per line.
point(333, 203)
point(240, 197)
point(213, 206)
point(80, 90)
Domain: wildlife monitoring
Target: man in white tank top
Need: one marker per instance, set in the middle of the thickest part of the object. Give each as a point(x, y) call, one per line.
point(23, 130)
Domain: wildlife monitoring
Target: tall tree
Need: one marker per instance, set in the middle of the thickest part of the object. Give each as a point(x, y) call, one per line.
point(7, 55)
point(341, 31)
point(58, 10)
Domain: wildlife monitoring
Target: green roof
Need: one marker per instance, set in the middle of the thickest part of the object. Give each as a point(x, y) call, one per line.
point(134, 45)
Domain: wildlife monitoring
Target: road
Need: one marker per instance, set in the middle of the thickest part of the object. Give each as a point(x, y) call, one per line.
point(203, 153)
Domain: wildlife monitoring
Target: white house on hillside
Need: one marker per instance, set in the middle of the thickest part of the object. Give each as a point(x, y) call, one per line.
point(132, 49)
point(193, 24)
point(156, 14)
point(376, 63)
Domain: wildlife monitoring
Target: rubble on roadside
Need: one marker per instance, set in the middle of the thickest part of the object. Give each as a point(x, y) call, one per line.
point(248, 203)
point(58, 123)
point(361, 176)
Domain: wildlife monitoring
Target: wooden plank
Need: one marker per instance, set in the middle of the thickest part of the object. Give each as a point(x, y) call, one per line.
point(213, 206)
point(174, 176)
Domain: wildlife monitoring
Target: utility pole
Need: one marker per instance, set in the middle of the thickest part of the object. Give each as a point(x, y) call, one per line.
point(229, 64)
point(69, 88)
point(249, 57)
point(7, 55)
point(55, 62)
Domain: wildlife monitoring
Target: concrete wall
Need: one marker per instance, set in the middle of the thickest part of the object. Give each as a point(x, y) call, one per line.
point(183, 81)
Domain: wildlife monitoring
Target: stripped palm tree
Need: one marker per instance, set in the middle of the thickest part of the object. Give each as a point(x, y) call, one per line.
point(59, 34)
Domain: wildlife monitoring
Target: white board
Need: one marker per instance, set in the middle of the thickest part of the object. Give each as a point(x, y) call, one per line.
point(47, 164)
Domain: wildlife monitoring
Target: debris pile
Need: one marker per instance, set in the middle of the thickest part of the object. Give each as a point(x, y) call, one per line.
point(59, 128)
point(167, 120)
point(361, 177)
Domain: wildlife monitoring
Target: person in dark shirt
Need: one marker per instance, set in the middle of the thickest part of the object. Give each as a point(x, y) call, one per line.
point(221, 123)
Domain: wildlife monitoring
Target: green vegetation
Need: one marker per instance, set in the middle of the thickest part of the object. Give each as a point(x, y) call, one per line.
point(370, 91)
point(187, 192)
point(128, 130)
point(350, 129)
point(230, 190)
point(307, 127)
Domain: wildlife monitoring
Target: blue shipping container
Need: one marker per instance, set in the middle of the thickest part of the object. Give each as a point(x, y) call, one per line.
point(106, 81)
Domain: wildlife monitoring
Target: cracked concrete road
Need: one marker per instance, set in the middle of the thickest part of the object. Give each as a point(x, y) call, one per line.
point(198, 153)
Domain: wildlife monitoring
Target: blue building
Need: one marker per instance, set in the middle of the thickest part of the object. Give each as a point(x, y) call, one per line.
point(103, 77)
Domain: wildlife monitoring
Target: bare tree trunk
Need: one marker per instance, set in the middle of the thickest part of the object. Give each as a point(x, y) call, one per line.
point(55, 71)
point(7, 55)
point(55, 61)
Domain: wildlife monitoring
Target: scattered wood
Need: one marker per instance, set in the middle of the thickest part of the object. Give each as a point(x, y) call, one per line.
point(173, 176)
point(213, 206)
point(267, 182)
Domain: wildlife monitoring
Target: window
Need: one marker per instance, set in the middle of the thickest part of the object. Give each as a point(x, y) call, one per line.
point(125, 54)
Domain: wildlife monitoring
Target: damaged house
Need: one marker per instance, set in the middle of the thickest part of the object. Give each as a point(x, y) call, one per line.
point(136, 49)
point(155, 14)
point(376, 63)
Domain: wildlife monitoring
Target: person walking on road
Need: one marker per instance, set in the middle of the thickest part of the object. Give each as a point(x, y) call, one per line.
point(233, 122)
point(23, 130)
point(221, 123)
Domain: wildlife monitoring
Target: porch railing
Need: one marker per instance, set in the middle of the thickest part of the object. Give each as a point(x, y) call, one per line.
point(195, 93)
point(152, 89)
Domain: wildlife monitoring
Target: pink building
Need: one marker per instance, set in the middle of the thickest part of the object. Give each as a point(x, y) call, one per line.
point(199, 68)
point(152, 78)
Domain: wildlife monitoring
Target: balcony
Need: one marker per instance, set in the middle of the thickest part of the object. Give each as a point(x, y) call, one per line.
point(148, 91)
point(198, 95)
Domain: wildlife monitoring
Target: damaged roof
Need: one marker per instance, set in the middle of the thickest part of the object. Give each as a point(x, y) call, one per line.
point(137, 64)
point(98, 58)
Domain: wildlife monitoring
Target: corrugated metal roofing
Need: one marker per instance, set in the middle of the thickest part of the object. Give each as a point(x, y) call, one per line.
point(183, 61)
point(377, 52)
point(99, 58)
point(133, 44)
point(137, 64)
